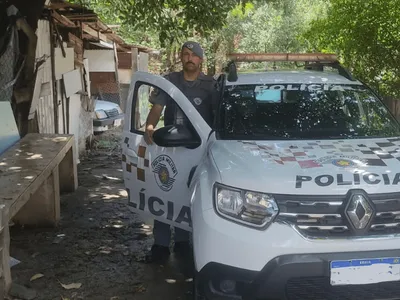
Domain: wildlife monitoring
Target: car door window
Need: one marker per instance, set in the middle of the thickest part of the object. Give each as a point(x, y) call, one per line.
point(142, 106)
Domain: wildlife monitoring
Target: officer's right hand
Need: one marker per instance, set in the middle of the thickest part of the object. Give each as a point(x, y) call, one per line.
point(148, 135)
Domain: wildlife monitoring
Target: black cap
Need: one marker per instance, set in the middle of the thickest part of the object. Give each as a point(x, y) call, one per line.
point(194, 47)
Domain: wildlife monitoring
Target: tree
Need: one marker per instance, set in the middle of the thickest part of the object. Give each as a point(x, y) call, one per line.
point(172, 20)
point(221, 26)
point(366, 36)
point(264, 27)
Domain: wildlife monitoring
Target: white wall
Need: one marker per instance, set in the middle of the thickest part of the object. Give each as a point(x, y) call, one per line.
point(45, 105)
point(80, 120)
point(63, 64)
point(100, 60)
point(74, 118)
point(124, 76)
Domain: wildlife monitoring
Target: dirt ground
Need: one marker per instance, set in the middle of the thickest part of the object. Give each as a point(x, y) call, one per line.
point(99, 245)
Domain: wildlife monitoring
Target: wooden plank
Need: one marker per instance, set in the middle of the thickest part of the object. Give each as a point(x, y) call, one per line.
point(24, 94)
point(115, 38)
point(94, 33)
point(27, 164)
point(78, 62)
point(75, 40)
point(63, 20)
point(89, 37)
point(82, 17)
point(77, 44)
point(29, 181)
point(122, 49)
point(58, 38)
point(102, 77)
point(43, 208)
point(125, 61)
point(102, 26)
point(144, 62)
point(72, 82)
point(5, 252)
point(36, 92)
point(63, 5)
point(135, 61)
point(16, 206)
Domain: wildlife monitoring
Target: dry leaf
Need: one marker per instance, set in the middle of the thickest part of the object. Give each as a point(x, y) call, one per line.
point(170, 280)
point(71, 286)
point(140, 289)
point(36, 276)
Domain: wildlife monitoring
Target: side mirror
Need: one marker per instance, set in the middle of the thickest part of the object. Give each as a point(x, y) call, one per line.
point(176, 136)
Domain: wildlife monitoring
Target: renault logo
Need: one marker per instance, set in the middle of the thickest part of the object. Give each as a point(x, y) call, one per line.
point(359, 211)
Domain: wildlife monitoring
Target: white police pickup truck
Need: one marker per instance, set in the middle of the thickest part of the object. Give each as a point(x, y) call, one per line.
point(295, 192)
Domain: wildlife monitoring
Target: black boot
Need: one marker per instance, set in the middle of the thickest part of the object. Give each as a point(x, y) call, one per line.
point(158, 254)
point(183, 249)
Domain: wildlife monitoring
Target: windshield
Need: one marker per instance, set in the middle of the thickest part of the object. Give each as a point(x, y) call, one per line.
point(306, 111)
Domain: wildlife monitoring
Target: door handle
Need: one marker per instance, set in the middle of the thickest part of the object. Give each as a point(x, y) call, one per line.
point(131, 153)
point(132, 156)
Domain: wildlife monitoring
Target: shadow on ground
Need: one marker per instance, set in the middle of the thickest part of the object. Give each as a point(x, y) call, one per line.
point(99, 245)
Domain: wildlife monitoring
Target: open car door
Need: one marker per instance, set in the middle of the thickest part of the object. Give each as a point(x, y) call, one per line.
point(156, 176)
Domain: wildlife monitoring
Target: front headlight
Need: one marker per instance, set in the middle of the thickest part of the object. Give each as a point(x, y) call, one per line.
point(101, 114)
point(250, 208)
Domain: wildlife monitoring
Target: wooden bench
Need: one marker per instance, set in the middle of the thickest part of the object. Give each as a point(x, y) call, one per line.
point(33, 173)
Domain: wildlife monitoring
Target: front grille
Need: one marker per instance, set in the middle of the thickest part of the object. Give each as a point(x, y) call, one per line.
point(324, 216)
point(319, 288)
point(112, 113)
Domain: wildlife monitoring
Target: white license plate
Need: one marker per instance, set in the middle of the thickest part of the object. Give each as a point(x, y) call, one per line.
point(365, 271)
point(117, 122)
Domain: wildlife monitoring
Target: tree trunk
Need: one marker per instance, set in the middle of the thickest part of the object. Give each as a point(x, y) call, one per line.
point(23, 89)
point(212, 65)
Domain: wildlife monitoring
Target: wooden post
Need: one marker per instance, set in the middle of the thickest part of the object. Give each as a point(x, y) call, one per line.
point(5, 277)
point(43, 209)
point(53, 75)
point(144, 62)
point(135, 55)
point(68, 172)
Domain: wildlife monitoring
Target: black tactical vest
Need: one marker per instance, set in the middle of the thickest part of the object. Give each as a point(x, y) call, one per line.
point(200, 93)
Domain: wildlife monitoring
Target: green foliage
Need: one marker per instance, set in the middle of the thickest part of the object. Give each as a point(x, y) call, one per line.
point(172, 20)
point(265, 26)
point(366, 35)
point(110, 13)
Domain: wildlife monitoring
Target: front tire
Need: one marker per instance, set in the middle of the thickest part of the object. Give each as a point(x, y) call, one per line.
point(196, 292)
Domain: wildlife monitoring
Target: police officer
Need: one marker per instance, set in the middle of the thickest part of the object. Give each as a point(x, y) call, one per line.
point(201, 91)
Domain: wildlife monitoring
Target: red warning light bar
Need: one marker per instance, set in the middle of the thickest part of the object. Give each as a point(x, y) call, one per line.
point(263, 57)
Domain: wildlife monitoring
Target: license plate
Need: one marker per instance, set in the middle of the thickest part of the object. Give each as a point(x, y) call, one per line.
point(117, 122)
point(365, 271)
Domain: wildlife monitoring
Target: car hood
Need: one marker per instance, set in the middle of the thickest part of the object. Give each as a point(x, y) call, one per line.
point(310, 167)
point(105, 105)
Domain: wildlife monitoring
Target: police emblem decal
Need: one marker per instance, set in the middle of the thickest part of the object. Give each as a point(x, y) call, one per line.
point(197, 101)
point(164, 171)
point(343, 163)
